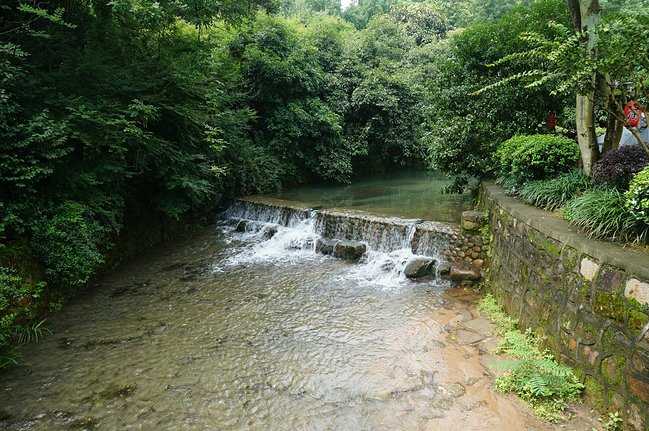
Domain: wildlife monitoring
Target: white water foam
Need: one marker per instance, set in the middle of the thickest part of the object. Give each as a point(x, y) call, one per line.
point(296, 243)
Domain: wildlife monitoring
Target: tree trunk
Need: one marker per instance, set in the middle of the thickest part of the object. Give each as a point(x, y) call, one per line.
point(585, 17)
point(586, 136)
point(614, 126)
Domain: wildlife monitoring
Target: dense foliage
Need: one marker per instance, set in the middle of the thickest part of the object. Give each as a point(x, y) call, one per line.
point(536, 157)
point(617, 167)
point(637, 198)
point(464, 129)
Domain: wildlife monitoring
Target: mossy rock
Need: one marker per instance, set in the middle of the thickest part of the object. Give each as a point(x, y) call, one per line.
point(611, 305)
point(595, 393)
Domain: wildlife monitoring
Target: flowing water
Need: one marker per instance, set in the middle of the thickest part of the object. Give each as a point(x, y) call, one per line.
point(244, 327)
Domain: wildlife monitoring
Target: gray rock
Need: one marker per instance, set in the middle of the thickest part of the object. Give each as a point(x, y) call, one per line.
point(325, 246)
point(444, 269)
point(269, 232)
point(472, 220)
point(464, 337)
point(419, 266)
point(349, 250)
point(480, 325)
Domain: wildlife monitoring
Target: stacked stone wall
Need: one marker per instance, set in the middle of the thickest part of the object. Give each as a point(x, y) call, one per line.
point(588, 299)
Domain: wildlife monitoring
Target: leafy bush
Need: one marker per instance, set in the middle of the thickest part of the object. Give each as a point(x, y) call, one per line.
point(553, 194)
point(533, 374)
point(637, 198)
point(617, 167)
point(68, 243)
point(602, 214)
point(536, 157)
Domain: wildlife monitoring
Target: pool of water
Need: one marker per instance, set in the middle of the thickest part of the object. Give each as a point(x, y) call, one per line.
point(408, 194)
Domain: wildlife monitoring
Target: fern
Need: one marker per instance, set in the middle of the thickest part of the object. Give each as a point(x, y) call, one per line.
point(547, 62)
point(32, 333)
point(533, 374)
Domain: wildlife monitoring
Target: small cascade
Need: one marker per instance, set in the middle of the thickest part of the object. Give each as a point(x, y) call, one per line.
point(267, 212)
point(275, 231)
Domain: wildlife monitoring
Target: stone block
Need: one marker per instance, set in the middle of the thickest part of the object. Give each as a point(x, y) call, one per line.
point(460, 274)
point(472, 220)
point(638, 290)
point(419, 266)
point(638, 386)
point(349, 250)
point(588, 269)
point(610, 279)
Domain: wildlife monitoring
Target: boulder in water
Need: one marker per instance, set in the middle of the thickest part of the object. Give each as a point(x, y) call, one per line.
point(349, 250)
point(269, 232)
point(325, 246)
point(444, 269)
point(419, 266)
point(241, 226)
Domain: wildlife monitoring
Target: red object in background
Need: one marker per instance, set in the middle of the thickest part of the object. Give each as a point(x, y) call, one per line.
point(551, 121)
point(632, 113)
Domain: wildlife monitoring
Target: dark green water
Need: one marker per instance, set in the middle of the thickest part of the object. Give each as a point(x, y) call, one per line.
point(409, 194)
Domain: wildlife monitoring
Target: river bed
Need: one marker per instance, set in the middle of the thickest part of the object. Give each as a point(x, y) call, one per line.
point(229, 331)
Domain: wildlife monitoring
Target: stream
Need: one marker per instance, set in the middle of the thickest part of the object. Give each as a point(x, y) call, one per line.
point(238, 329)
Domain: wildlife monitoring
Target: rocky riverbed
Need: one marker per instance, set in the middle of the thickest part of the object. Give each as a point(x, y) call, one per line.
point(197, 336)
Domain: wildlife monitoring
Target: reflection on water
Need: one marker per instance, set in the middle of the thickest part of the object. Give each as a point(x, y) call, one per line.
point(409, 194)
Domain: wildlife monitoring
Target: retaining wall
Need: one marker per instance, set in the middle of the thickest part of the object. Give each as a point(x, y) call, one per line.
point(588, 298)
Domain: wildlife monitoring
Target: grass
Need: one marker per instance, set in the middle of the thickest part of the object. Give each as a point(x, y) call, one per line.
point(601, 213)
point(553, 194)
point(533, 374)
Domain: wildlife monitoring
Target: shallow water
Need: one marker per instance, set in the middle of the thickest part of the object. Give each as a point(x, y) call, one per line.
point(407, 194)
point(213, 334)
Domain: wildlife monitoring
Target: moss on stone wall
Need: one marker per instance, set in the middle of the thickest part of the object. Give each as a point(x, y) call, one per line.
point(591, 313)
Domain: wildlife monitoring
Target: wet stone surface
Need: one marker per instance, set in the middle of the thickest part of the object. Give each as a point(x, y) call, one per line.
point(177, 341)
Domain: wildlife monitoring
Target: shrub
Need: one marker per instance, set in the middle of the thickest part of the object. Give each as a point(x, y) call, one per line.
point(68, 243)
point(617, 167)
point(536, 157)
point(553, 194)
point(602, 214)
point(637, 198)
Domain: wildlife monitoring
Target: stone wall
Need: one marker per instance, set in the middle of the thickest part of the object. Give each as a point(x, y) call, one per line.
point(589, 299)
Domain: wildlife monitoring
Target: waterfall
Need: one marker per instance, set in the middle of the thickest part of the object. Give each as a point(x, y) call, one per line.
point(277, 231)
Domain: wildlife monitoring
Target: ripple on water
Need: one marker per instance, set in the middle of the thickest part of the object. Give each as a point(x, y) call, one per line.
point(299, 344)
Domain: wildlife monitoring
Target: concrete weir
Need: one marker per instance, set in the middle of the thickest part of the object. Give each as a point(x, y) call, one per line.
point(457, 253)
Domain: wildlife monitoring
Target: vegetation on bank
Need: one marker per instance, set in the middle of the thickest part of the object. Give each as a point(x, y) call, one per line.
point(612, 204)
point(532, 373)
